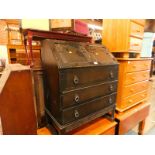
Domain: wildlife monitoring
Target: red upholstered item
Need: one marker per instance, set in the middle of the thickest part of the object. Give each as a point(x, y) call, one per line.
point(81, 27)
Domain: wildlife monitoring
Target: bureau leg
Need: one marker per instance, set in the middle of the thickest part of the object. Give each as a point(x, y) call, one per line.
point(141, 127)
point(111, 115)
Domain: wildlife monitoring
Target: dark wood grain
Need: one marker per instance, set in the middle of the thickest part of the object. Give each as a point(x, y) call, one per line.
point(17, 104)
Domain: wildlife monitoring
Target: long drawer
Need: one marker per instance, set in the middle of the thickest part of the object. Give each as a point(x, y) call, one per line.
point(86, 76)
point(139, 21)
point(134, 88)
point(88, 93)
point(133, 99)
point(136, 77)
point(138, 65)
point(136, 30)
point(135, 44)
point(80, 111)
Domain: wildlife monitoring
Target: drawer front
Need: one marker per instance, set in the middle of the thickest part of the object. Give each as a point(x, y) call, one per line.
point(82, 77)
point(134, 77)
point(135, 44)
point(83, 110)
point(135, 88)
point(81, 95)
point(132, 100)
point(139, 21)
point(138, 65)
point(136, 30)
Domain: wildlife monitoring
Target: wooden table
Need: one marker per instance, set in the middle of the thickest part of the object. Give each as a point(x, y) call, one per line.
point(130, 118)
point(30, 34)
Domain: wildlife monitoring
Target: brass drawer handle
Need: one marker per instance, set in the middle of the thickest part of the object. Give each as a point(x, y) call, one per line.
point(76, 98)
point(143, 86)
point(111, 88)
point(133, 78)
point(143, 95)
point(136, 45)
point(110, 100)
point(146, 65)
point(130, 101)
point(134, 66)
point(76, 114)
point(111, 74)
point(132, 90)
point(76, 79)
point(145, 75)
point(137, 30)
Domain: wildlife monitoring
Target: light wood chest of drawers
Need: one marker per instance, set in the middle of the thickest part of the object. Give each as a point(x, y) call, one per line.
point(133, 82)
point(123, 35)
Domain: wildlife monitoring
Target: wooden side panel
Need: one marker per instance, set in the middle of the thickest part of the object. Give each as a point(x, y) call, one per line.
point(17, 105)
point(116, 34)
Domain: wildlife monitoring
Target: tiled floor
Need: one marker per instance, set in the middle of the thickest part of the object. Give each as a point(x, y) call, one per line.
point(150, 121)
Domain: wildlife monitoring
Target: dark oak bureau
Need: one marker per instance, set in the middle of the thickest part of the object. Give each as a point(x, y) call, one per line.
point(81, 82)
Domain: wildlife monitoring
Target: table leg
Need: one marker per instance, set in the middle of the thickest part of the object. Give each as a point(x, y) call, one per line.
point(141, 127)
point(29, 39)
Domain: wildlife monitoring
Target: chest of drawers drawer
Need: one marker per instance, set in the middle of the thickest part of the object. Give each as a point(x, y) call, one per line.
point(78, 96)
point(75, 78)
point(132, 66)
point(134, 88)
point(133, 99)
point(134, 77)
point(87, 108)
point(135, 44)
point(136, 30)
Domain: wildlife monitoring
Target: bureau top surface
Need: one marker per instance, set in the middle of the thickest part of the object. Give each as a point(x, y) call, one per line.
point(69, 54)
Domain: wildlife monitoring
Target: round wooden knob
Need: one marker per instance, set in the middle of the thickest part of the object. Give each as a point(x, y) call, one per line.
point(130, 101)
point(132, 90)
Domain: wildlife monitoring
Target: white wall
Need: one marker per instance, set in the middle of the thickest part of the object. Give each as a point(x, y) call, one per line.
point(40, 24)
point(4, 53)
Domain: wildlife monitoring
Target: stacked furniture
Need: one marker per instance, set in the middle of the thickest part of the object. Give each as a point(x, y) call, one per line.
point(124, 39)
point(105, 125)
